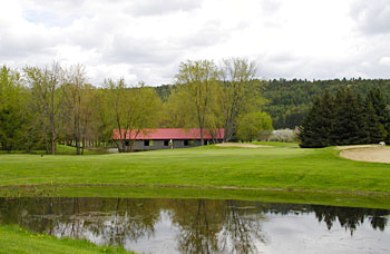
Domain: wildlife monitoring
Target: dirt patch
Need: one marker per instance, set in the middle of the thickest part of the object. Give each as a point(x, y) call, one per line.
point(244, 145)
point(356, 146)
point(368, 153)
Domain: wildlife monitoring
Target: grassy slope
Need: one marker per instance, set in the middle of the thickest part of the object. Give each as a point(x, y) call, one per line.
point(285, 169)
point(18, 241)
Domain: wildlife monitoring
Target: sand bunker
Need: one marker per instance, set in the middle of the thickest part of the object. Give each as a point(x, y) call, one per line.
point(370, 153)
point(244, 145)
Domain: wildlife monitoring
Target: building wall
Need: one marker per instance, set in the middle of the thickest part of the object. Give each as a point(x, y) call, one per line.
point(139, 145)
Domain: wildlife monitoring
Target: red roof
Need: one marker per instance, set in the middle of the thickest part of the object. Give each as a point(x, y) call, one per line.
point(168, 133)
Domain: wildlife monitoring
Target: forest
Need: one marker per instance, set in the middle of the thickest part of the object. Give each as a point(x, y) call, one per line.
point(44, 106)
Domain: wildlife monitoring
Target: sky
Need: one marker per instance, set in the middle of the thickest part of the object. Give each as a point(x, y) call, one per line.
point(146, 40)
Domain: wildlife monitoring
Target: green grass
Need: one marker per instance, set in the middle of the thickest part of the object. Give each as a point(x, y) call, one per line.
point(61, 150)
point(283, 173)
point(276, 143)
point(19, 241)
point(309, 175)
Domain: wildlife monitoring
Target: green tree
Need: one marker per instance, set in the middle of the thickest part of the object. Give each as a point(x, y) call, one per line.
point(348, 128)
point(132, 110)
point(178, 110)
point(317, 127)
point(44, 84)
point(251, 125)
point(237, 91)
point(198, 80)
point(13, 115)
point(75, 106)
point(379, 114)
point(375, 130)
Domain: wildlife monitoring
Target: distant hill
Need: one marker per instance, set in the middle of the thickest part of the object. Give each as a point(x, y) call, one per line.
point(289, 100)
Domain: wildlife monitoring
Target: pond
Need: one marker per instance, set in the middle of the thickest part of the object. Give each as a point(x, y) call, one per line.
point(204, 226)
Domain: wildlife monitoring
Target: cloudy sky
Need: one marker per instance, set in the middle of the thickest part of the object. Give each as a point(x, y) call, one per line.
point(145, 40)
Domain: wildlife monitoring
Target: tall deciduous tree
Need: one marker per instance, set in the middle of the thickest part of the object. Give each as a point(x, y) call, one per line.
point(133, 110)
point(238, 90)
point(200, 88)
point(44, 84)
point(74, 101)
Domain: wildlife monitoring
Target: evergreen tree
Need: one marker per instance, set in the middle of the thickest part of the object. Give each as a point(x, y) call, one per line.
point(317, 126)
point(376, 99)
point(374, 128)
point(348, 122)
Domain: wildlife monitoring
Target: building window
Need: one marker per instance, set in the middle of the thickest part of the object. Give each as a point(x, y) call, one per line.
point(166, 142)
point(191, 142)
point(146, 143)
point(127, 143)
point(205, 142)
point(185, 142)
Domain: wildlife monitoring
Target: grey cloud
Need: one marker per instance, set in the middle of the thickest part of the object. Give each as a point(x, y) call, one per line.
point(209, 34)
point(270, 6)
point(372, 17)
point(367, 65)
point(17, 45)
point(127, 49)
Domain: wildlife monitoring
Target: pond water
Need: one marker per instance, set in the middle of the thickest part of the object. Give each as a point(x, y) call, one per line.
point(204, 226)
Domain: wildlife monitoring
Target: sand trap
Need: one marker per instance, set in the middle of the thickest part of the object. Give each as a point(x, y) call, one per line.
point(370, 153)
point(244, 145)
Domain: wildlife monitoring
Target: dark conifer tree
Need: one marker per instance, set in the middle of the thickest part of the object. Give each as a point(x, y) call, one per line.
point(317, 127)
point(349, 122)
point(376, 99)
point(379, 104)
point(374, 128)
point(361, 118)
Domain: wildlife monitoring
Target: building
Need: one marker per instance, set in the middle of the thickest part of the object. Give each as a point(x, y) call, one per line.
point(165, 138)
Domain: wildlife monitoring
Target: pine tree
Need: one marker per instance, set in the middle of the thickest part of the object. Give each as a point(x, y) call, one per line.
point(373, 126)
point(348, 121)
point(376, 99)
point(317, 127)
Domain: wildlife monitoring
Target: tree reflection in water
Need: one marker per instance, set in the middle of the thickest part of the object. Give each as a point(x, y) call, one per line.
point(204, 226)
point(241, 229)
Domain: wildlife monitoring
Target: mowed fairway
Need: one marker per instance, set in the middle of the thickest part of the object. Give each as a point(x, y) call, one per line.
point(281, 168)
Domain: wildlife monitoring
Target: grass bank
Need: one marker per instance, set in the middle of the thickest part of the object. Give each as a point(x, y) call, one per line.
point(16, 240)
point(283, 174)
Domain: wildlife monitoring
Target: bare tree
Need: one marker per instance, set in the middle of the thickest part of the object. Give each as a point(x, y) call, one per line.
point(73, 101)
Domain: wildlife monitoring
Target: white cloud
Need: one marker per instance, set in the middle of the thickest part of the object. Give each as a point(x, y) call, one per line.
point(385, 61)
point(146, 40)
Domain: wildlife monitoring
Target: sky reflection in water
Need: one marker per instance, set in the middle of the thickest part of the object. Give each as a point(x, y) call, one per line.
point(204, 226)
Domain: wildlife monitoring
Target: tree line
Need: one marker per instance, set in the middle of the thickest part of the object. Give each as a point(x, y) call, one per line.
point(346, 118)
point(289, 101)
point(43, 107)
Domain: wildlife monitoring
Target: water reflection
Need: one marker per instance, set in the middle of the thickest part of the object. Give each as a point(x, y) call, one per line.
point(183, 226)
